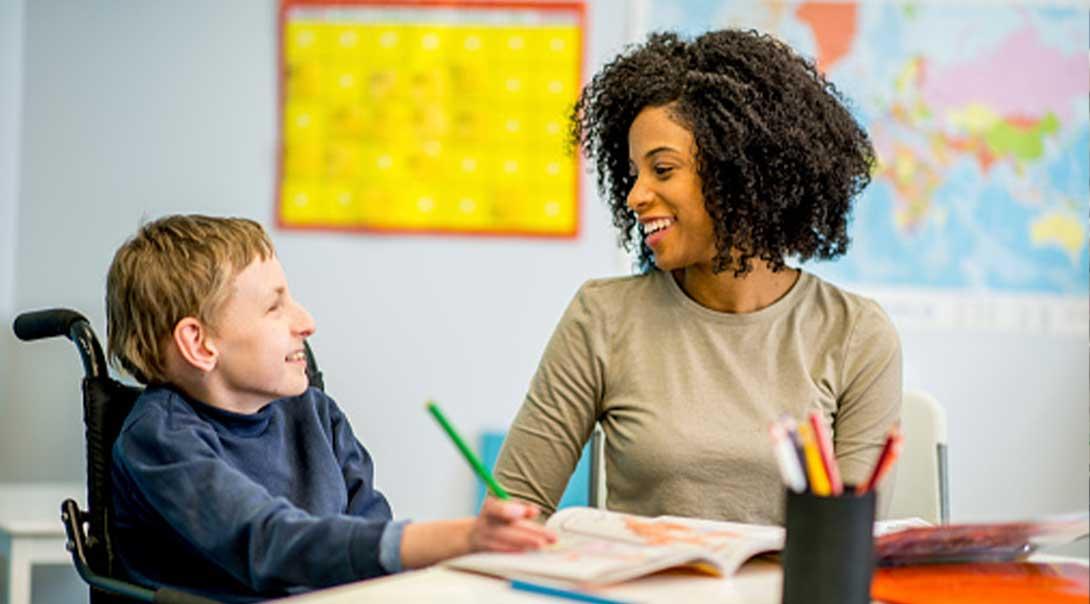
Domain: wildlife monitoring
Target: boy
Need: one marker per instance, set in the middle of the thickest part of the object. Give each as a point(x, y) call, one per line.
point(231, 477)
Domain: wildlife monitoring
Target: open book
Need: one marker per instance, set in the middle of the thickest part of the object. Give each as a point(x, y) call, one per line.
point(597, 547)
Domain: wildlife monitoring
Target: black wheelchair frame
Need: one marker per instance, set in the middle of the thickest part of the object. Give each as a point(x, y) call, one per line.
point(106, 403)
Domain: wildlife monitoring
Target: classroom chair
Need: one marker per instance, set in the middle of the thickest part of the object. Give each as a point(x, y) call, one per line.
point(596, 487)
point(106, 403)
point(921, 489)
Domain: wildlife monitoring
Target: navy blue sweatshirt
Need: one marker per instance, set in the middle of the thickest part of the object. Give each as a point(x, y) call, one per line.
point(241, 507)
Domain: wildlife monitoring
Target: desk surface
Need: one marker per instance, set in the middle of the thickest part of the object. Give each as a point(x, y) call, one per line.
point(758, 582)
point(34, 508)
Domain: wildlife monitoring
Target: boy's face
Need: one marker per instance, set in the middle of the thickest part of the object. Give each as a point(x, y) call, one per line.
point(259, 335)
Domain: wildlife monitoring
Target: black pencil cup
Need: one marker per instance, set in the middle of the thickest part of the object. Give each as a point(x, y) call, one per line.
point(829, 554)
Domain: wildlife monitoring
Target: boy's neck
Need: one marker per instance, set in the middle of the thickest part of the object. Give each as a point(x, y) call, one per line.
point(209, 397)
point(208, 389)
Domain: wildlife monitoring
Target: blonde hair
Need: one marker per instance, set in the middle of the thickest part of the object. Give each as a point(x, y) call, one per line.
point(174, 267)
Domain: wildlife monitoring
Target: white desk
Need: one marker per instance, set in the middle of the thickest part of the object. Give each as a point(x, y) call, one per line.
point(31, 531)
point(758, 582)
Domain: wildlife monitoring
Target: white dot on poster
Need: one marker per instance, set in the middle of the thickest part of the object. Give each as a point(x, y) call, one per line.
point(510, 166)
point(430, 41)
point(300, 199)
point(388, 39)
point(553, 168)
point(349, 39)
point(556, 87)
point(516, 42)
point(556, 44)
point(467, 205)
point(552, 208)
point(513, 84)
point(469, 164)
point(472, 43)
point(512, 125)
point(384, 162)
point(425, 204)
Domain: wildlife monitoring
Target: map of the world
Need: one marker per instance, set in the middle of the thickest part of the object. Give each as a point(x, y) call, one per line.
point(978, 113)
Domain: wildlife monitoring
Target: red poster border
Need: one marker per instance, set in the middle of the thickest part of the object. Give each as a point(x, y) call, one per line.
point(576, 6)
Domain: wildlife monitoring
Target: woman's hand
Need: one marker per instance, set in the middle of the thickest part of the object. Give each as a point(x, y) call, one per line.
point(508, 526)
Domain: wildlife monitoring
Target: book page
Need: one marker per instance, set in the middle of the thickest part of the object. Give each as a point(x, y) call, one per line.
point(598, 546)
point(885, 527)
point(585, 560)
point(731, 543)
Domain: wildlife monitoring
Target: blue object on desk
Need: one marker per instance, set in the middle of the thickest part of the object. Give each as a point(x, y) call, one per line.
point(577, 492)
point(568, 594)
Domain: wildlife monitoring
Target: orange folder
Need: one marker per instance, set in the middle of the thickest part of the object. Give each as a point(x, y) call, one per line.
point(984, 583)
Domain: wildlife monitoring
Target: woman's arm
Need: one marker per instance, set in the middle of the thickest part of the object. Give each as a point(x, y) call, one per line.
point(546, 439)
point(870, 402)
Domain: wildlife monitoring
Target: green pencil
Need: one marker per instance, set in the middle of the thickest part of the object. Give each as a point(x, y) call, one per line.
point(478, 467)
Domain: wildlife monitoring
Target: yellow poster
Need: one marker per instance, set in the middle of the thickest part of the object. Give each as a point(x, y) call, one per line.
point(437, 117)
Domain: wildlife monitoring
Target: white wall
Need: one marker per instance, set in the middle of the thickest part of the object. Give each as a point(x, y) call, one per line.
point(1018, 416)
point(138, 109)
point(11, 92)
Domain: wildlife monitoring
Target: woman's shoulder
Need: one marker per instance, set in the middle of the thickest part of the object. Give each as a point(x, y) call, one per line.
point(840, 305)
point(621, 287)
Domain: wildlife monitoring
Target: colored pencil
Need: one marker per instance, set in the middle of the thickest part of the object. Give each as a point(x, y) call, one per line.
point(467, 453)
point(890, 451)
point(786, 458)
point(568, 594)
point(815, 470)
point(828, 456)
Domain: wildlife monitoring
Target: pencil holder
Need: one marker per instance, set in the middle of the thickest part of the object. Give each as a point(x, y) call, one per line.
point(829, 554)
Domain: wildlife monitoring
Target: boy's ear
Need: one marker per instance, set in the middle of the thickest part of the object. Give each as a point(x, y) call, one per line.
point(192, 340)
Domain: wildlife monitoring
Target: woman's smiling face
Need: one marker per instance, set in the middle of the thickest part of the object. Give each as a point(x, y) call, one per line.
point(666, 196)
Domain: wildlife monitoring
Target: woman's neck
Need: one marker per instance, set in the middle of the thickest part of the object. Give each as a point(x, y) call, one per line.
point(724, 292)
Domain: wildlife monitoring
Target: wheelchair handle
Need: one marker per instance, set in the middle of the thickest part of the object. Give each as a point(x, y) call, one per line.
point(40, 324)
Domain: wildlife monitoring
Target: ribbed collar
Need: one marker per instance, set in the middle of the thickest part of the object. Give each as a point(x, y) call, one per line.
point(768, 313)
point(238, 424)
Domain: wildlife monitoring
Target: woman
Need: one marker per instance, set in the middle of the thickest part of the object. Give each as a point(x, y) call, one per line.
point(722, 158)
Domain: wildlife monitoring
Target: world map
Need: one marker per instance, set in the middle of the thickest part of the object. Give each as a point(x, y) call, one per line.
point(979, 116)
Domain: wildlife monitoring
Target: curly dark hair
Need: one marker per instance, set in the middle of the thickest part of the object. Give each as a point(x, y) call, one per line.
point(779, 155)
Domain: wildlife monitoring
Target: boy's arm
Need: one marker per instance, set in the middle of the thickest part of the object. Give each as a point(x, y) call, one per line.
point(499, 527)
point(502, 526)
point(265, 542)
point(356, 466)
point(359, 472)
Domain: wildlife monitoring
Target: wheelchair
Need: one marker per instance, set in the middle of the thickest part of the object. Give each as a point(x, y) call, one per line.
point(106, 404)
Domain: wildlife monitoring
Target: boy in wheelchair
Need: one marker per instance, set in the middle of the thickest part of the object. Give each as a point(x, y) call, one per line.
point(232, 478)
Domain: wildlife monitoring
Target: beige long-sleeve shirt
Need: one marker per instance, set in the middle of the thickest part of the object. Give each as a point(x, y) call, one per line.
point(685, 395)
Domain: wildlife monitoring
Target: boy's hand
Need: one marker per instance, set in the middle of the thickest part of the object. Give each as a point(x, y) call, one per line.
point(508, 526)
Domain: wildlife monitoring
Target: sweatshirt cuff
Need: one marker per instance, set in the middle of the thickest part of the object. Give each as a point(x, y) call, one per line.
point(389, 546)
